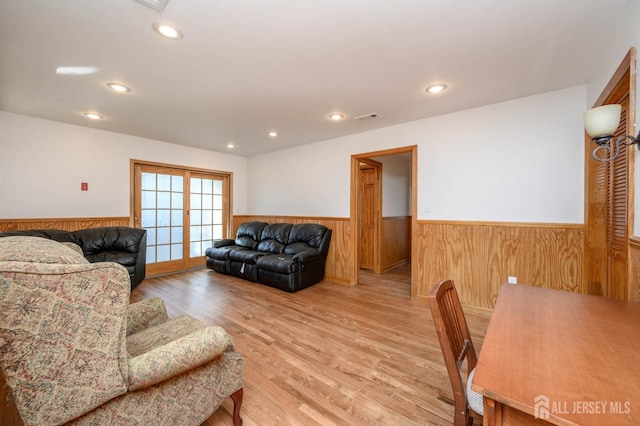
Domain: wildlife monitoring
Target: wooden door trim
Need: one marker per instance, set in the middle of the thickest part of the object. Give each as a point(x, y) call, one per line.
point(628, 65)
point(353, 220)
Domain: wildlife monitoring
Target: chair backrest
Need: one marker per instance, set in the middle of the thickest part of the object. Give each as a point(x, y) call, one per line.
point(455, 342)
point(62, 330)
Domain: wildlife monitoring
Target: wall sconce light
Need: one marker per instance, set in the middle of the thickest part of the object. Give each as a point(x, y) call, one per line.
point(600, 124)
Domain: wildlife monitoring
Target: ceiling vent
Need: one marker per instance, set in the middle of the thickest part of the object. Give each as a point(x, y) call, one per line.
point(154, 4)
point(366, 116)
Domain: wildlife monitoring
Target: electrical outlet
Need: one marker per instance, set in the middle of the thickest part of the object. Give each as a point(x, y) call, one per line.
point(512, 280)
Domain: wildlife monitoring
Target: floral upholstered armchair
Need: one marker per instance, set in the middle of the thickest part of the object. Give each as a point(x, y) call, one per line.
point(73, 350)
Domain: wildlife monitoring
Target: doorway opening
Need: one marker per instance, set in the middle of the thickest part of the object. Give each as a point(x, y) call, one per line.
point(383, 210)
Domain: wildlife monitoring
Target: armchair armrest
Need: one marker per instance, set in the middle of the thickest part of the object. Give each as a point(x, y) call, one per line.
point(223, 243)
point(144, 314)
point(178, 356)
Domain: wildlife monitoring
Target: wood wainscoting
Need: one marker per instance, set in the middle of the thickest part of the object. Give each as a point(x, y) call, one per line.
point(395, 247)
point(634, 269)
point(339, 260)
point(479, 256)
point(65, 224)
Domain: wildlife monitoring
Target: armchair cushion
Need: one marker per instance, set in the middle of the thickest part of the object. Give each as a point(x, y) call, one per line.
point(187, 399)
point(144, 314)
point(185, 349)
point(161, 334)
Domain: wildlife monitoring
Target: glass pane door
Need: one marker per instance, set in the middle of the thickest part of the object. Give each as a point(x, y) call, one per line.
point(183, 211)
point(162, 215)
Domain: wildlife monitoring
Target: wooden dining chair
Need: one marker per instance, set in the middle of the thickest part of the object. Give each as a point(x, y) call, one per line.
point(457, 346)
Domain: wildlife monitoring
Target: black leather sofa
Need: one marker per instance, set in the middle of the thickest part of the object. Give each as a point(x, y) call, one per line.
point(120, 244)
point(288, 257)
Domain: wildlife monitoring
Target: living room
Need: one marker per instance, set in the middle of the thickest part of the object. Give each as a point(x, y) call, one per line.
point(504, 177)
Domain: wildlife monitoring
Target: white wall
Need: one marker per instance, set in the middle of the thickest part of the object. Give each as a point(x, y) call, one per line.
point(521, 160)
point(42, 164)
point(396, 185)
point(622, 37)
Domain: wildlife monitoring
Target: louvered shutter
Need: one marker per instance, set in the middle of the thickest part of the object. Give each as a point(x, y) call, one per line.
point(617, 194)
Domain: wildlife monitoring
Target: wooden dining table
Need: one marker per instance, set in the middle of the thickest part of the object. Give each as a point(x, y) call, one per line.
point(551, 356)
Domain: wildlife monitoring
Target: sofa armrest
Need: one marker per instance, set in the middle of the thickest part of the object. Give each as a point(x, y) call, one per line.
point(307, 256)
point(144, 314)
point(178, 356)
point(223, 243)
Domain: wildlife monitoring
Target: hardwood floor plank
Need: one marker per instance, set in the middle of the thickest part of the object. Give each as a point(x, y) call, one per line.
point(326, 355)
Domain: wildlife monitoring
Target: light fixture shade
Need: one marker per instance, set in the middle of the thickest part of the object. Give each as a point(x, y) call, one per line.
point(602, 120)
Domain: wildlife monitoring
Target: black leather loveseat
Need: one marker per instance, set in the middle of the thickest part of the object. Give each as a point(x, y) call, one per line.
point(282, 255)
point(120, 244)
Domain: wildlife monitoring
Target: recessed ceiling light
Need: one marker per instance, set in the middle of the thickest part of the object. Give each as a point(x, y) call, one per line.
point(336, 116)
point(117, 87)
point(436, 88)
point(273, 134)
point(93, 115)
point(168, 30)
point(230, 145)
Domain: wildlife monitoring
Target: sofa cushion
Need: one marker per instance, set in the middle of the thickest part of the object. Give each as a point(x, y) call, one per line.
point(274, 237)
point(221, 253)
point(246, 242)
point(310, 233)
point(248, 234)
point(270, 246)
point(281, 263)
point(36, 249)
point(245, 256)
point(124, 258)
point(298, 247)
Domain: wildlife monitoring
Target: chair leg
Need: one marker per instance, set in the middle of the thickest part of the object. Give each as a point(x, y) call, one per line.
point(236, 397)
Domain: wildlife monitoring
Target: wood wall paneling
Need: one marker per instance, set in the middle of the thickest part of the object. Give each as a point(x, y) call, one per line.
point(395, 246)
point(66, 224)
point(480, 256)
point(634, 269)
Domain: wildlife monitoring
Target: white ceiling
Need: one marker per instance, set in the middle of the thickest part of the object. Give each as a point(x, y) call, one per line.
point(245, 67)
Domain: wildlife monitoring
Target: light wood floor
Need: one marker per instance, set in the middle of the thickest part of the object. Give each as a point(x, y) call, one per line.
point(326, 355)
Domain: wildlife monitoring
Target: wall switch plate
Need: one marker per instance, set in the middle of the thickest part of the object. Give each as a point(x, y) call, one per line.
point(512, 280)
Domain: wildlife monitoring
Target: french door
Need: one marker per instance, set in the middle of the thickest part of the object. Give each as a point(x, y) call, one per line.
point(182, 210)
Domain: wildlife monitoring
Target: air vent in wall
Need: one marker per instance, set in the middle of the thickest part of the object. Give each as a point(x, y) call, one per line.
point(372, 115)
point(154, 4)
